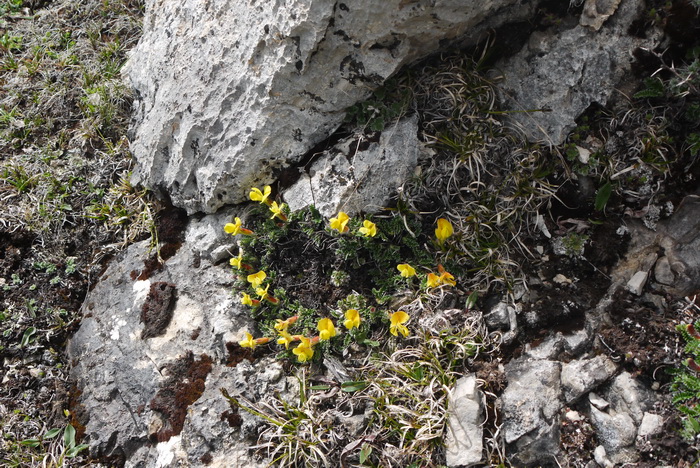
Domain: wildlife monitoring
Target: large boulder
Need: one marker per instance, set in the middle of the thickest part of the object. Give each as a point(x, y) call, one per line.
point(227, 93)
point(155, 346)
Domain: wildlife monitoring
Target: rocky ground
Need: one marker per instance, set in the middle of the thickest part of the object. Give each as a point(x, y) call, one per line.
point(558, 291)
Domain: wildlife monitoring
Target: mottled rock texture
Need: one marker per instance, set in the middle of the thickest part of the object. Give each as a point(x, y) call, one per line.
point(229, 92)
point(153, 399)
point(358, 175)
point(555, 77)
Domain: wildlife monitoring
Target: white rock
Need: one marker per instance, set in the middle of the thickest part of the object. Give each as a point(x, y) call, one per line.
point(636, 284)
point(597, 401)
point(601, 458)
point(663, 272)
point(616, 432)
point(651, 425)
point(463, 442)
point(626, 394)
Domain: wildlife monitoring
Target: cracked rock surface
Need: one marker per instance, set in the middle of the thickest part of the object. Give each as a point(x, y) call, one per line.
point(266, 81)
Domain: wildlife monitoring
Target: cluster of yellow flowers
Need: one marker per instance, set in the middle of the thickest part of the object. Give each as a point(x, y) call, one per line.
point(340, 224)
point(261, 196)
point(256, 280)
point(433, 280)
point(326, 330)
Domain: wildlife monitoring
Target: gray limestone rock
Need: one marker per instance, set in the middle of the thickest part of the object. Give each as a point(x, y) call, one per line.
point(626, 394)
point(555, 77)
point(205, 235)
point(357, 175)
point(662, 271)
point(681, 244)
point(155, 401)
point(463, 442)
point(618, 425)
point(530, 405)
point(581, 376)
point(229, 92)
point(651, 425)
point(617, 433)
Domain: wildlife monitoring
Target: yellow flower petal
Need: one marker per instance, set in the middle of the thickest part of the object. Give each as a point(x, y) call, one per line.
point(256, 279)
point(236, 261)
point(433, 280)
point(248, 342)
point(258, 196)
point(444, 230)
point(352, 319)
point(397, 320)
point(326, 329)
point(277, 211)
point(233, 228)
point(447, 278)
point(406, 270)
point(340, 223)
point(246, 300)
point(304, 351)
point(368, 229)
point(285, 338)
point(262, 292)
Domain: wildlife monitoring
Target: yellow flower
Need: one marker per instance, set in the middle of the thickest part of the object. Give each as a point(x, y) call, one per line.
point(235, 228)
point(433, 280)
point(304, 351)
point(248, 342)
point(368, 229)
point(284, 324)
point(326, 329)
point(263, 292)
point(447, 278)
point(397, 326)
point(444, 230)
point(277, 211)
point(340, 223)
point(352, 319)
point(285, 338)
point(258, 196)
point(236, 261)
point(247, 300)
point(406, 270)
point(256, 279)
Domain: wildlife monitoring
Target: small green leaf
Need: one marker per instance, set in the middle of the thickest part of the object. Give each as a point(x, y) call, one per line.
point(365, 452)
point(69, 436)
point(72, 452)
point(471, 300)
point(377, 125)
point(51, 433)
point(602, 196)
point(319, 387)
point(30, 442)
point(654, 87)
point(371, 343)
point(27, 336)
point(353, 386)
